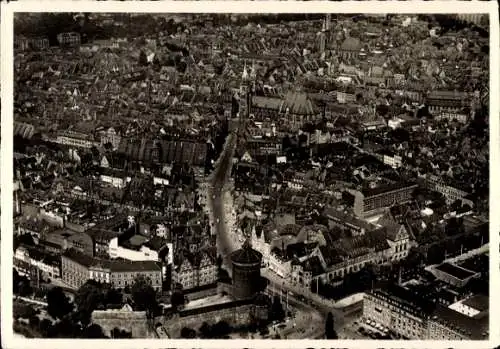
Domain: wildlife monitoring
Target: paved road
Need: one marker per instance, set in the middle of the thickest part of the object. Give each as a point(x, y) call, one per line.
point(218, 181)
point(322, 307)
point(309, 324)
point(33, 301)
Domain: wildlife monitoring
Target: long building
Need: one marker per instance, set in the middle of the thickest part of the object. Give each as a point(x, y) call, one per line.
point(372, 201)
point(77, 268)
point(160, 151)
point(409, 316)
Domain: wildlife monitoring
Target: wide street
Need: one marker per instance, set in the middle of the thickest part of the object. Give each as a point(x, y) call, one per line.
point(215, 200)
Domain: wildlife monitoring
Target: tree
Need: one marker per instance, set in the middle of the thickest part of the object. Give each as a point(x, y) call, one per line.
point(44, 327)
point(117, 333)
point(88, 297)
point(24, 239)
point(24, 287)
point(66, 328)
point(277, 313)
point(112, 296)
point(143, 59)
point(144, 296)
point(94, 331)
point(221, 329)
point(58, 303)
point(330, 327)
point(177, 299)
point(188, 333)
point(205, 330)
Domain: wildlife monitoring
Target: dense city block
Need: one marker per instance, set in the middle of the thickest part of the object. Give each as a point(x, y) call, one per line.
point(280, 176)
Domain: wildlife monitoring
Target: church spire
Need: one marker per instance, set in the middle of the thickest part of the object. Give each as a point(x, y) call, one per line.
point(244, 76)
point(253, 72)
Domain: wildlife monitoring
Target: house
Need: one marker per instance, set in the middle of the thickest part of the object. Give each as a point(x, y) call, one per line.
point(304, 272)
point(194, 268)
point(115, 178)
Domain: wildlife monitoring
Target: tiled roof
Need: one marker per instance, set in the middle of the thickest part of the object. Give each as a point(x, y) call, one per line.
point(351, 44)
point(298, 103)
point(246, 255)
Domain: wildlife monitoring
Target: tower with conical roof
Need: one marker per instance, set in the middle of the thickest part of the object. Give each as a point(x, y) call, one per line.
point(246, 263)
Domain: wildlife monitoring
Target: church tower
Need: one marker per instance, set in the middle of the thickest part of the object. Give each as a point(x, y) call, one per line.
point(247, 88)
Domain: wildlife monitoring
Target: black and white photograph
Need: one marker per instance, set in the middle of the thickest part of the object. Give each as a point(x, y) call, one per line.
point(314, 176)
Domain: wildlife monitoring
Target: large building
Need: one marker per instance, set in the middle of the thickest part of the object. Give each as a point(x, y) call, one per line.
point(452, 274)
point(295, 109)
point(76, 139)
point(150, 151)
point(77, 268)
point(402, 311)
point(25, 44)
point(372, 201)
point(69, 39)
point(246, 263)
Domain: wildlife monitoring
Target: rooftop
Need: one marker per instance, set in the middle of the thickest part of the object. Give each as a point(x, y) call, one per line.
point(479, 302)
point(455, 271)
point(246, 255)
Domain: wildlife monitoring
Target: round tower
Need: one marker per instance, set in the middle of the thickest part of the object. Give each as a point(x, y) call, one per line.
point(246, 263)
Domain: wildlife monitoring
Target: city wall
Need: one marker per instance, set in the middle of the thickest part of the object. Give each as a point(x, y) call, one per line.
point(235, 316)
point(130, 321)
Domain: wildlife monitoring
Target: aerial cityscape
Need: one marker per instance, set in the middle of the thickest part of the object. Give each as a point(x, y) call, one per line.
point(251, 176)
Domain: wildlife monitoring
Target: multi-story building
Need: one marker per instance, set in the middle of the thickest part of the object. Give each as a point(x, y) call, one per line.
point(475, 18)
point(405, 313)
point(396, 309)
point(447, 101)
point(461, 116)
point(194, 269)
point(77, 268)
point(371, 201)
point(453, 274)
point(451, 193)
point(295, 109)
point(48, 264)
point(76, 139)
point(344, 221)
point(145, 252)
point(350, 48)
point(110, 136)
point(121, 273)
point(116, 178)
point(69, 39)
point(24, 44)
